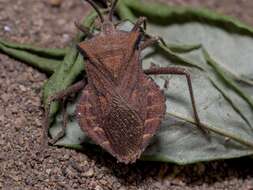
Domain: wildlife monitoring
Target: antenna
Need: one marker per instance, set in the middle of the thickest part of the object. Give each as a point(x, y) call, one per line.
point(96, 9)
point(112, 9)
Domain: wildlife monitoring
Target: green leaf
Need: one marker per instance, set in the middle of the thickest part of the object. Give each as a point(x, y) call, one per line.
point(54, 53)
point(125, 12)
point(164, 14)
point(44, 64)
point(219, 58)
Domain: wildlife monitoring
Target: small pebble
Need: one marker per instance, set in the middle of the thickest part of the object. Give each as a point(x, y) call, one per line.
point(88, 173)
point(98, 188)
point(55, 2)
point(7, 29)
point(66, 37)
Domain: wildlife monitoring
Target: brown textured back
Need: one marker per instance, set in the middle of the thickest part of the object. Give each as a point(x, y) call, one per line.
point(120, 108)
point(123, 128)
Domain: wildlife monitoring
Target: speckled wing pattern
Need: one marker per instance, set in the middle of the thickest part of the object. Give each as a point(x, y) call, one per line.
point(121, 108)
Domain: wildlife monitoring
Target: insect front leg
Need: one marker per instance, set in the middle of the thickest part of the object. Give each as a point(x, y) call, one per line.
point(139, 22)
point(65, 120)
point(149, 42)
point(179, 71)
point(59, 96)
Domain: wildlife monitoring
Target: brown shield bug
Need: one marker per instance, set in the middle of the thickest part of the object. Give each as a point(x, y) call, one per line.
point(121, 107)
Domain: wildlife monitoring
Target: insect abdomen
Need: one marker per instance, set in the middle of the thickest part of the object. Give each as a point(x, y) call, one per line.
point(123, 128)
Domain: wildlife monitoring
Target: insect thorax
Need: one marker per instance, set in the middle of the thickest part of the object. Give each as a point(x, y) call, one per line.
point(111, 51)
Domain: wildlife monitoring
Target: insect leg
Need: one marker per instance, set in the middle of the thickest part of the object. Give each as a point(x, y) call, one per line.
point(149, 42)
point(140, 21)
point(59, 96)
point(179, 71)
point(84, 29)
point(65, 120)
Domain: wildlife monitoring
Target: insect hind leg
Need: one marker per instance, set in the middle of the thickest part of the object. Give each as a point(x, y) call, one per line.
point(179, 71)
point(59, 96)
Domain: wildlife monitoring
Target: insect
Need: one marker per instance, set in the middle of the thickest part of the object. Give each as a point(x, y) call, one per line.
point(121, 107)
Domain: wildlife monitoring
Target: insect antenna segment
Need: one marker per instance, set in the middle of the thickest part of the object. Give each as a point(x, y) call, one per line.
point(112, 9)
point(94, 5)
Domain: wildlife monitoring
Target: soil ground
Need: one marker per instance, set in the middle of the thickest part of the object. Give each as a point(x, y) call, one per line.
point(21, 115)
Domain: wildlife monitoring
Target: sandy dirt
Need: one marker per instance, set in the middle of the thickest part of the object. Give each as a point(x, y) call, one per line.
point(21, 116)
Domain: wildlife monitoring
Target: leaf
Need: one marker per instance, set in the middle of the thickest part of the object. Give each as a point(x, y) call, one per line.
point(44, 64)
point(54, 53)
point(219, 58)
point(179, 14)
